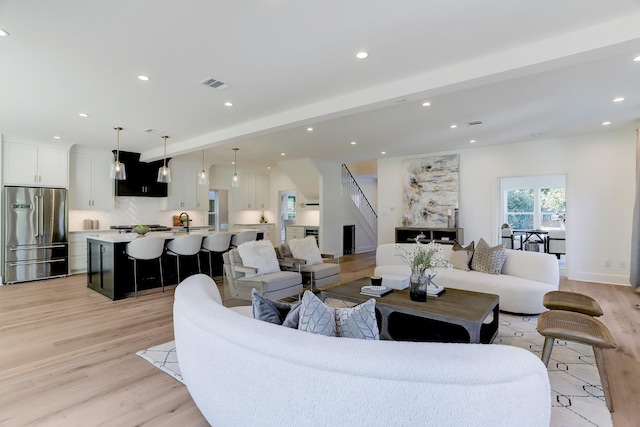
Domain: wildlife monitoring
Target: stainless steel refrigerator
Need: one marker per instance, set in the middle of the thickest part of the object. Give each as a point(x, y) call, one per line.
point(35, 233)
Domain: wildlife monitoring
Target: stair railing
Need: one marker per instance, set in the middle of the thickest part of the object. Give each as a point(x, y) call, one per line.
point(359, 199)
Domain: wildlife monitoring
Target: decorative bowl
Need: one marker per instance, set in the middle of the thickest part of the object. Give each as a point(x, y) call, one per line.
point(141, 230)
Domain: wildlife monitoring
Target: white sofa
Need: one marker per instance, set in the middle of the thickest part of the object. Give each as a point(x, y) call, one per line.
point(526, 277)
point(246, 372)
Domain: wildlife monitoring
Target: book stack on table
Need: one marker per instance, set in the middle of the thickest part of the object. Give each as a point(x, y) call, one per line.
point(375, 291)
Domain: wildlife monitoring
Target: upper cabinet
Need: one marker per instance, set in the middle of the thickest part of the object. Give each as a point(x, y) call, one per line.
point(253, 193)
point(35, 165)
point(141, 177)
point(184, 191)
point(90, 186)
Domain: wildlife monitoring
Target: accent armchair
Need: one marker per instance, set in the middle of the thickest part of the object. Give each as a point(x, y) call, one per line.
point(255, 265)
point(304, 256)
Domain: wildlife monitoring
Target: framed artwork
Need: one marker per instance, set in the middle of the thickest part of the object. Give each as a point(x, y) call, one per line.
point(430, 192)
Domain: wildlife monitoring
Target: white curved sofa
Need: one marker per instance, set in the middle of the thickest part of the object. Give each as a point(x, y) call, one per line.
point(526, 277)
point(246, 372)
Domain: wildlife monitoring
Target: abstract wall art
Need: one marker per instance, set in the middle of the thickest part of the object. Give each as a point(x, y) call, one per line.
point(430, 190)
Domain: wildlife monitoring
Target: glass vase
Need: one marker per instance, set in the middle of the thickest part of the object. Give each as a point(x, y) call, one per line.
point(418, 285)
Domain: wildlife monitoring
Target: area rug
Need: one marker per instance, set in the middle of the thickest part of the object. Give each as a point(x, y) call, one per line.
point(576, 394)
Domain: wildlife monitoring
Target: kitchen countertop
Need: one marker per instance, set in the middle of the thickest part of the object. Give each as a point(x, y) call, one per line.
point(127, 237)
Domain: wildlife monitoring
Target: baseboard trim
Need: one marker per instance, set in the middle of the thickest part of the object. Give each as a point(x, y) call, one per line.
point(611, 279)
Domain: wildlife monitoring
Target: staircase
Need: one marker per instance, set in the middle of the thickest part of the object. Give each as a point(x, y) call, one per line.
point(359, 199)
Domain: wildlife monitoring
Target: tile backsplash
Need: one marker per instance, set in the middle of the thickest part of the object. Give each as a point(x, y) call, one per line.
point(131, 211)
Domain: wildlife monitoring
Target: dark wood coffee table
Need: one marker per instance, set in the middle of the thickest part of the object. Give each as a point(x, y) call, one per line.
point(455, 316)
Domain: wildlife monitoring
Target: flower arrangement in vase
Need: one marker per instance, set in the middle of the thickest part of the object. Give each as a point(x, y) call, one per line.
point(423, 260)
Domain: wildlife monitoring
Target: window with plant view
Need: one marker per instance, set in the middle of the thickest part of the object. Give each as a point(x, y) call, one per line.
point(534, 202)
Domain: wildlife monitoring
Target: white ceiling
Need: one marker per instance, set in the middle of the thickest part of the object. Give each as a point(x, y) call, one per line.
point(542, 69)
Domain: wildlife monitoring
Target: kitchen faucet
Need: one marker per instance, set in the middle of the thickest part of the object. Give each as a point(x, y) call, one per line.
point(185, 222)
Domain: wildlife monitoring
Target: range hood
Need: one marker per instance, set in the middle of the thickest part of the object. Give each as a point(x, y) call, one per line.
point(141, 177)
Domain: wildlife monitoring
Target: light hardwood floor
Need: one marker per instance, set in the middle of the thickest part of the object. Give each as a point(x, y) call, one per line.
point(67, 354)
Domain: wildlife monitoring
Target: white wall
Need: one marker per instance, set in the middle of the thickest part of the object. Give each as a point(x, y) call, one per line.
point(600, 170)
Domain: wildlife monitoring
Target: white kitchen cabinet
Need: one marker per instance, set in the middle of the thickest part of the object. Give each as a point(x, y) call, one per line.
point(294, 232)
point(202, 196)
point(35, 165)
point(90, 186)
point(253, 193)
point(183, 189)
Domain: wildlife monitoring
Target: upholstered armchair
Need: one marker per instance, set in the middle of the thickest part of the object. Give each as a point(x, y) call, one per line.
point(556, 243)
point(511, 240)
point(255, 265)
point(316, 268)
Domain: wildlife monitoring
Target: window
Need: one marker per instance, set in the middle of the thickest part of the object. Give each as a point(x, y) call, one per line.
point(537, 202)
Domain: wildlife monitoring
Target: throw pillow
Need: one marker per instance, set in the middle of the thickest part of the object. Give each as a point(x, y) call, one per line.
point(276, 312)
point(488, 259)
point(353, 322)
point(458, 247)
point(306, 249)
point(460, 259)
point(259, 254)
point(316, 316)
point(461, 256)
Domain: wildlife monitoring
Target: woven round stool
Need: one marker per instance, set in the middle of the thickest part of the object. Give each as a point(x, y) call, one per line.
point(578, 327)
point(572, 301)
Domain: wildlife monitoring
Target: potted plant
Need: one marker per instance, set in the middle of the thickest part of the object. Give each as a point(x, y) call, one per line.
point(423, 260)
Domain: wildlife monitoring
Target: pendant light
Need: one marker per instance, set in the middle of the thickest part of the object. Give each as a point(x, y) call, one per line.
point(202, 176)
point(164, 173)
point(118, 171)
point(235, 182)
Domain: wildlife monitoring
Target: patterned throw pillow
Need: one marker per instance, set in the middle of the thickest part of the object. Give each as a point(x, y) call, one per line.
point(488, 259)
point(354, 322)
point(276, 312)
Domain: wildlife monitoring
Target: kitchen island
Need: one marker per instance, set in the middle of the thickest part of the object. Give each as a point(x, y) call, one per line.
point(110, 271)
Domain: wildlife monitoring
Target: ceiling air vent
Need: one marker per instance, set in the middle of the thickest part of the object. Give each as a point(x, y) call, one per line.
point(474, 122)
point(216, 84)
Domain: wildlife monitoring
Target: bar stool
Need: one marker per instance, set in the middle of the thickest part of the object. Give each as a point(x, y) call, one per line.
point(216, 243)
point(145, 248)
point(582, 328)
point(187, 245)
point(243, 236)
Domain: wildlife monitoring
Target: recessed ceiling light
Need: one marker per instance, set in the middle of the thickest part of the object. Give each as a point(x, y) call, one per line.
point(353, 143)
point(618, 99)
point(3, 33)
point(232, 162)
point(426, 104)
point(228, 104)
point(56, 137)
point(143, 78)
point(268, 167)
point(309, 129)
point(453, 126)
point(606, 123)
point(637, 59)
point(282, 154)
point(383, 152)
point(473, 141)
point(362, 55)
point(83, 114)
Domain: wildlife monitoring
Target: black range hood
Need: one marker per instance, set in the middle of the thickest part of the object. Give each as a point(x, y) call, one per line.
point(141, 177)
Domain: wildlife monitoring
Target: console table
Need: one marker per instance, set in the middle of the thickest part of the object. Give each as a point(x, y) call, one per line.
point(445, 236)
